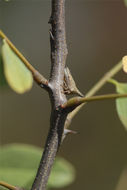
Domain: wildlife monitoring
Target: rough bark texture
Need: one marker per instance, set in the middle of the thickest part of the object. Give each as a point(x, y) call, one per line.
point(56, 93)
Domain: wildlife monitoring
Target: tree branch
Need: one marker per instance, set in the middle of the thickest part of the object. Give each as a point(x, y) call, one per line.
point(76, 101)
point(36, 75)
point(56, 93)
point(55, 89)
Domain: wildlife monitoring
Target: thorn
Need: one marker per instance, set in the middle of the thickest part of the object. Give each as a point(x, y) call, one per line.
point(51, 35)
point(70, 85)
point(50, 20)
point(68, 131)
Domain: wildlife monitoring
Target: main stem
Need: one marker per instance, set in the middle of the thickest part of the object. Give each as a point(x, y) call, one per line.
point(56, 93)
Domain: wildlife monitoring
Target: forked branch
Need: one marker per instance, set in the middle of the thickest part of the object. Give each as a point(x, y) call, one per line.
point(56, 89)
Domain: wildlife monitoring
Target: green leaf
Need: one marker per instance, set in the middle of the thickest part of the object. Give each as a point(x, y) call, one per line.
point(121, 103)
point(3, 82)
point(19, 163)
point(17, 75)
point(125, 2)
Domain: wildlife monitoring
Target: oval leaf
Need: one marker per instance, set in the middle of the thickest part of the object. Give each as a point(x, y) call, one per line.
point(121, 103)
point(18, 76)
point(19, 163)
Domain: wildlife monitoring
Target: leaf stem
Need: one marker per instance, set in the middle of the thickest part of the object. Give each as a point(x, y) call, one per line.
point(8, 186)
point(76, 101)
point(37, 76)
point(113, 71)
point(113, 81)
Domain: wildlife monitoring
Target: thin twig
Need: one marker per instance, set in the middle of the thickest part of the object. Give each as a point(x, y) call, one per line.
point(76, 101)
point(37, 76)
point(8, 186)
point(113, 71)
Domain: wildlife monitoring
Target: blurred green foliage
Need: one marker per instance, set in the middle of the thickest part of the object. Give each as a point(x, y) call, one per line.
point(125, 1)
point(19, 163)
point(121, 103)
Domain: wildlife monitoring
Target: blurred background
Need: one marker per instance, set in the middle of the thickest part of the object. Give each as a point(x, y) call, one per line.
point(97, 40)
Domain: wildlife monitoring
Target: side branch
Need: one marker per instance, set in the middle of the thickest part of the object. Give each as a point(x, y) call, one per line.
point(36, 75)
point(76, 101)
point(113, 71)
